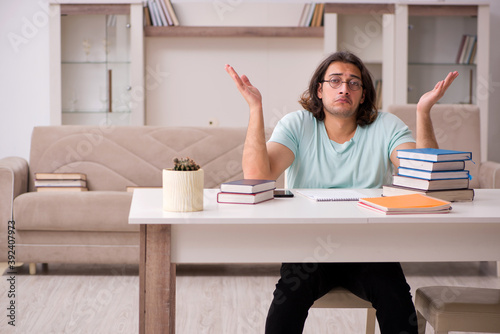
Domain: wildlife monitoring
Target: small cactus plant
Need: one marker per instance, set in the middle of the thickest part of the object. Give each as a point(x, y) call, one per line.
point(185, 164)
point(183, 192)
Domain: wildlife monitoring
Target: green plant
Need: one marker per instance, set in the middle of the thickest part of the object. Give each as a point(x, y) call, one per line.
point(185, 164)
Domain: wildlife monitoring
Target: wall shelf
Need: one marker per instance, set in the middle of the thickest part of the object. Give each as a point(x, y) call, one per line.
point(191, 31)
point(95, 9)
point(442, 10)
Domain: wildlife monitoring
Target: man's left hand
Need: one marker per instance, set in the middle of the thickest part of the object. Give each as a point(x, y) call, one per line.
point(430, 98)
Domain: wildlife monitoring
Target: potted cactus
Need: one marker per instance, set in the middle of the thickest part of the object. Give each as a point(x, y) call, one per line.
point(183, 186)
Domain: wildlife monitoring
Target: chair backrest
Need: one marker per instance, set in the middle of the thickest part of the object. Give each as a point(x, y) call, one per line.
point(456, 127)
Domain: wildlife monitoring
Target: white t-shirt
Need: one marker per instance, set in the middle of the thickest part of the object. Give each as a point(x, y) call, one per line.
point(362, 162)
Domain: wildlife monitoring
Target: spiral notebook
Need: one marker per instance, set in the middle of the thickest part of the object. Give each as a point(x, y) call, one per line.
point(325, 195)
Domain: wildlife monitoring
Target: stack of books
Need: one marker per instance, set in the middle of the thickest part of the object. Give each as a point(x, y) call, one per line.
point(467, 50)
point(312, 15)
point(246, 191)
point(60, 182)
point(160, 13)
point(435, 172)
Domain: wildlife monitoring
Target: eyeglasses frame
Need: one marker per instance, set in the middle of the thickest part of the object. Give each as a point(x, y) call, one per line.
point(340, 84)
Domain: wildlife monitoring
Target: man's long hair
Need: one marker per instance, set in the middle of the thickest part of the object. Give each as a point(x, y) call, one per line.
point(367, 111)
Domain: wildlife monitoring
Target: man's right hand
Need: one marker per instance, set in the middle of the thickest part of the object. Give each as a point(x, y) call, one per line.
point(247, 90)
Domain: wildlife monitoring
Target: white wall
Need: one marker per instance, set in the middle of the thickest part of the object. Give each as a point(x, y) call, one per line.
point(24, 76)
point(202, 92)
point(24, 59)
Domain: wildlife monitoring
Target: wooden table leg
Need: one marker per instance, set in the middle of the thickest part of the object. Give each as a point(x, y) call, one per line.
point(142, 274)
point(157, 277)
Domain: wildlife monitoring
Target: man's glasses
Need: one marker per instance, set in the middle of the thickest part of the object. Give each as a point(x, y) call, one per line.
point(336, 82)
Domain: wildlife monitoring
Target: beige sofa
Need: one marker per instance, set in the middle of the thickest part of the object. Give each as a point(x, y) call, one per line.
point(92, 227)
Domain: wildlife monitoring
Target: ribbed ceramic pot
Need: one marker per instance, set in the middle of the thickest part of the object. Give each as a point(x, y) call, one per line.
point(182, 190)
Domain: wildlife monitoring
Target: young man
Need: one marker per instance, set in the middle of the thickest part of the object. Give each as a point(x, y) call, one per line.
point(338, 141)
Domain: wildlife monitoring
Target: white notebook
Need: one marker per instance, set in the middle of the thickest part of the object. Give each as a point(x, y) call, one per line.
point(322, 195)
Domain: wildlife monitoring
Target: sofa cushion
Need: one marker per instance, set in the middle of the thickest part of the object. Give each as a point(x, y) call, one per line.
point(74, 211)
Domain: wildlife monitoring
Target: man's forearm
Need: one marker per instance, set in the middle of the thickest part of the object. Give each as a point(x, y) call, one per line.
point(255, 158)
point(425, 131)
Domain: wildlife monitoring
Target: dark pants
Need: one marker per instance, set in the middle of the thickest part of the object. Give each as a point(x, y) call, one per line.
point(383, 284)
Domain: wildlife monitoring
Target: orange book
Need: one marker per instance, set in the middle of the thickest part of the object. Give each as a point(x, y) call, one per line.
point(411, 203)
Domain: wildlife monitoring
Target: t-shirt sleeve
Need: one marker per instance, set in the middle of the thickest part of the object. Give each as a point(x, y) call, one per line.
point(400, 132)
point(288, 130)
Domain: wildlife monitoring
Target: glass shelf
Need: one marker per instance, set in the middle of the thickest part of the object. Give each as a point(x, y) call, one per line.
point(95, 68)
point(95, 112)
point(95, 62)
point(441, 64)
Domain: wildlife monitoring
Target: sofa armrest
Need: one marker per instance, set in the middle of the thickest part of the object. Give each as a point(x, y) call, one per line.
point(13, 182)
point(489, 175)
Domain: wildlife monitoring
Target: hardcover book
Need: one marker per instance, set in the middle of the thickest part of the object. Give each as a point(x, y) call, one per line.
point(451, 195)
point(433, 175)
point(39, 189)
point(434, 154)
point(60, 183)
point(432, 166)
point(247, 186)
point(412, 182)
point(240, 198)
point(60, 176)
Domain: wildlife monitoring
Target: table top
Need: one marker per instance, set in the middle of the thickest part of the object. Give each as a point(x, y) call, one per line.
point(299, 229)
point(147, 208)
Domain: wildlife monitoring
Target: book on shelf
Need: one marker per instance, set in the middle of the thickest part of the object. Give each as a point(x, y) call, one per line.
point(60, 183)
point(378, 93)
point(60, 176)
point(171, 12)
point(451, 195)
point(405, 204)
point(153, 11)
point(412, 182)
point(467, 50)
point(432, 166)
point(304, 16)
point(433, 175)
point(472, 59)
point(147, 15)
point(433, 154)
point(460, 49)
point(317, 20)
point(161, 13)
point(243, 198)
point(247, 186)
point(76, 189)
point(312, 15)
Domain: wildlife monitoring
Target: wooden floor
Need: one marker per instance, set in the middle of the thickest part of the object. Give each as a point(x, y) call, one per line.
point(218, 299)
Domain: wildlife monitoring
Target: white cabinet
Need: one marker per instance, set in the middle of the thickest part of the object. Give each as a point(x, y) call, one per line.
point(433, 41)
point(97, 64)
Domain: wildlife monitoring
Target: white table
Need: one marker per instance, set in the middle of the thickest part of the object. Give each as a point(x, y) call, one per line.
point(298, 230)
